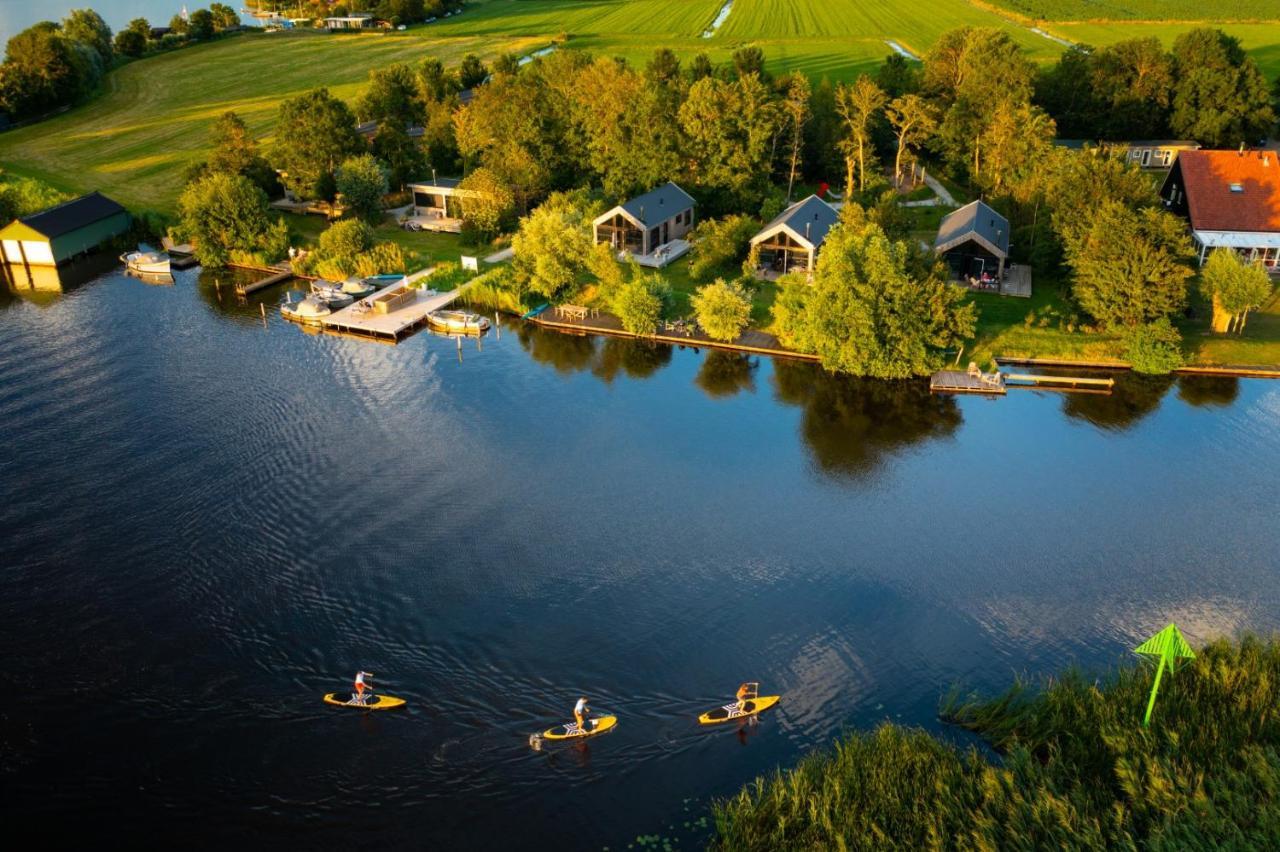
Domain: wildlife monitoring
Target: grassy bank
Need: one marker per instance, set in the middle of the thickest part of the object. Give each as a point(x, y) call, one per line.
point(1077, 770)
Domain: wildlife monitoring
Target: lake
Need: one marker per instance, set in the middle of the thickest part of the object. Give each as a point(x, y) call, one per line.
point(17, 15)
point(211, 519)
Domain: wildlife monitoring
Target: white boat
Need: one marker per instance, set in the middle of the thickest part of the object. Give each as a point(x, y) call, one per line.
point(357, 287)
point(309, 310)
point(331, 294)
point(458, 322)
point(146, 261)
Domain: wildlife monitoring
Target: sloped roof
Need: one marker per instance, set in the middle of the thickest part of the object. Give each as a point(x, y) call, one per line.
point(658, 205)
point(71, 215)
point(1231, 191)
point(976, 220)
point(808, 220)
point(436, 183)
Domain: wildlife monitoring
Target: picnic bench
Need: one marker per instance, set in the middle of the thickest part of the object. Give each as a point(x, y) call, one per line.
point(574, 312)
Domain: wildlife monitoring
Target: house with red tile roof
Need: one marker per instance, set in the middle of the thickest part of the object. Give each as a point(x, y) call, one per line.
point(1232, 199)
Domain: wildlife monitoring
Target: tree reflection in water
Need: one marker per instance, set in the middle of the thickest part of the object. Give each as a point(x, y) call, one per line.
point(1134, 397)
point(217, 289)
point(638, 359)
point(1218, 391)
point(566, 353)
point(851, 425)
point(724, 373)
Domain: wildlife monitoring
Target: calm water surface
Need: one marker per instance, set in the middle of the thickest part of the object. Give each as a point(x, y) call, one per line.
point(210, 520)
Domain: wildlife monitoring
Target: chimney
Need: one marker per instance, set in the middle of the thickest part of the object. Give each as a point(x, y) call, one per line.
point(1240, 153)
point(1266, 160)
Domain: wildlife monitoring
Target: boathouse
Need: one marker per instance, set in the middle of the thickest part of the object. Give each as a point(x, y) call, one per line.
point(649, 227)
point(790, 243)
point(1232, 199)
point(56, 235)
point(974, 241)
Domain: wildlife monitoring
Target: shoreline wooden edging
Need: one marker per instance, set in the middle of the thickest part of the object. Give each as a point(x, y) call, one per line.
point(666, 338)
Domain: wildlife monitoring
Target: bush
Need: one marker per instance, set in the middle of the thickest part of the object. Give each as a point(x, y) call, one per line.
point(130, 43)
point(222, 213)
point(723, 309)
point(719, 243)
point(638, 303)
point(495, 290)
point(361, 183)
point(1154, 348)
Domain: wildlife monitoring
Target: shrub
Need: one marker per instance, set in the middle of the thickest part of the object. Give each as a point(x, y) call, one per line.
point(1154, 347)
point(361, 183)
point(718, 243)
point(638, 303)
point(723, 309)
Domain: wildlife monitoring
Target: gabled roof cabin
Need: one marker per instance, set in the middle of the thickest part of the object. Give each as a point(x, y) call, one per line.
point(973, 240)
point(790, 242)
point(643, 224)
point(1232, 199)
point(56, 235)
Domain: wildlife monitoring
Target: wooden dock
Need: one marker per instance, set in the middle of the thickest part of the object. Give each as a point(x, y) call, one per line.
point(1059, 382)
point(972, 380)
point(389, 314)
point(275, 274)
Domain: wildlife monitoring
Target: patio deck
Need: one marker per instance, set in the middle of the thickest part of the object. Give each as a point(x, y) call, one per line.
point(361, 321)
point(661, 256)
point(438, 224)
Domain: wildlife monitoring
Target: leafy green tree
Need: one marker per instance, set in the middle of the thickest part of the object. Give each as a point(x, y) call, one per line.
point(1154, 347)
point(1132, 84)
point(315, 133)
point(347, 247)
point(392, 97)
point(179, 25)
point(1234, 288)
point(859, 105)
point(700, 67)
point(436, 83)
point(897, 77)
point(471, 72)
point(506, 64)
point(638, 304)
point(141, 26)
point(719, 243)
point(20, 196)
point(404, 157)
point(729, 130)
point(1130, 267)
point(1220, 97)
point(235, 151)
point(87, 27)
point(224, 213)
point(875, 307)
point(129, 43)
point(200, 26)
point(793, 116)
point(504, 130)
point(551, 247)
point(723, 309)
point(487, 202)
point(748, 61)
point(224, 17)
point(43, 69)
point(361, 182)
point(914, 120)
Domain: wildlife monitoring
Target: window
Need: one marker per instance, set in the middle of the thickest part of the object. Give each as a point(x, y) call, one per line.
point(1146, 157)
point(1235, 187)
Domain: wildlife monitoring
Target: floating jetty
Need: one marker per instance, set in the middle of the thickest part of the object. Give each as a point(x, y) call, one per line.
point(971, 380)
point(1058, 382)
point(277, 273)
point(390, 313)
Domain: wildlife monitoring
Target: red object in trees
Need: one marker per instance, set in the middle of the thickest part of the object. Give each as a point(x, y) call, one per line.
point(823, 188)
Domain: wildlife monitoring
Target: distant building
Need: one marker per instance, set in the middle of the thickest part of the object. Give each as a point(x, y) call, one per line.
point(643, 224)
point(1232, 199)
point(60, 233)
point(1145, 153)
point(358, 21)
point(790, 243)
point(974, 240)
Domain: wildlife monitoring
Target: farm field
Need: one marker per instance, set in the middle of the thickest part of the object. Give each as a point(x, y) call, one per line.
point(1261, 41)
point(1141, 10)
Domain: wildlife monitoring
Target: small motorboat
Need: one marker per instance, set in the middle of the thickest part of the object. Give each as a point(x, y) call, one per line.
point(458, 322)
point(331, 294)
point(310, 310)
point(358, 288)
point(146, 261)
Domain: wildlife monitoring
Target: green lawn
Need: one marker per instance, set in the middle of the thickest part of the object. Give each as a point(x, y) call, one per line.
point(1003, 329)
point(1259, 345)
point(428, 247)
point(1261, 40)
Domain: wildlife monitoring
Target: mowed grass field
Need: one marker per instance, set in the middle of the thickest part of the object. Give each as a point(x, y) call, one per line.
point(1260, 40)
point(134, 141)
point(1142, 10)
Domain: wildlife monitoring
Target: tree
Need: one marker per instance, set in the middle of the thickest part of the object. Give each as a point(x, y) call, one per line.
point(875, 307)
point(1130, 267)
point(1234, 288)
point(224, 17)
point(506, 63)
point(486, 202)
point(129, 43)
point(914, 120)
point(638, 303)
point(316, 132)
point(750, 60)
point(718, 243)
point(1132, 82)
point(222, 214)
point(404, 158)
point(435, 83)
point(1220, 97)
point(897, 77)
point(87, 27)
point(235, 151)
point(471, 72)
point(795, 114)
point(729, 128)
point(858, 105)
point(1154, 347)
point(361, 182)
point(200, 26)
point(347, 248)
point(723, 309)
point(551, 247)
point(502, 129)
point(179, 25)
point(392, 97)
point(1017, 137)
point(43, 69)
point(700, 67)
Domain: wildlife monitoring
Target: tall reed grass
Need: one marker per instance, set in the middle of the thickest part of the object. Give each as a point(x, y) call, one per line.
point(1076, 770)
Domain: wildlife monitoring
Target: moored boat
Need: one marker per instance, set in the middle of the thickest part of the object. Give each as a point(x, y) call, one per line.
point(310, 310)
point(358, 288)
point(458, 322)
point(146, 261)
point(331, 294)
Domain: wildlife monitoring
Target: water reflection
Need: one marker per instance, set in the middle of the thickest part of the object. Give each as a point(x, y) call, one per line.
point(724, 374)
point(1199, 391)
point(41, 285)
point(638, 359)
point(566, 353)
point(1134, 397)
point(851, 425)
point(217, 289)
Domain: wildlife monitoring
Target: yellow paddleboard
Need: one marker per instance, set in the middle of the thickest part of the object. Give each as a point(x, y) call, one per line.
point(571, 731)
point(371, 702)
point(730, 712)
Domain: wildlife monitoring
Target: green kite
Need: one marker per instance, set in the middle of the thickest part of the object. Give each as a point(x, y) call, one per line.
point(1170, 649)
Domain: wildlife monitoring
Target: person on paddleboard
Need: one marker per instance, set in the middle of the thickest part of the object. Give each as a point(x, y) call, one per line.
point(745, 693)
point(361, 686)
point(580, 711)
